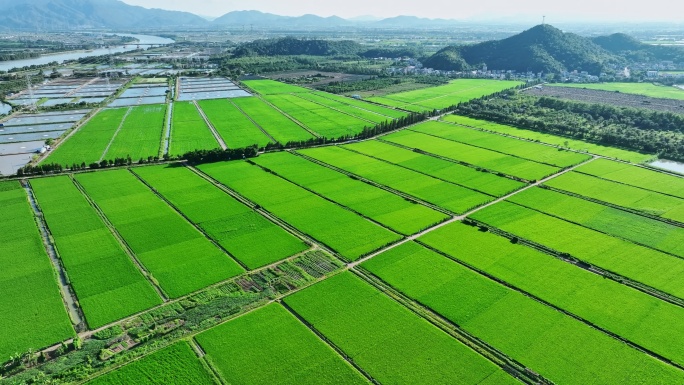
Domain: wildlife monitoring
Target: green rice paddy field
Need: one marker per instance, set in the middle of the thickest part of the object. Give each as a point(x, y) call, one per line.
point(189, 132)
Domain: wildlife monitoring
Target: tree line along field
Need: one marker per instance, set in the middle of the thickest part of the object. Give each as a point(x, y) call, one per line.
point(646, 89)
point(574, 144)
point(573, 281)
point(436, 98)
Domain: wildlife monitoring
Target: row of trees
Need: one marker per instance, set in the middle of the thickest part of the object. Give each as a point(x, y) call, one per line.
point(641, 130)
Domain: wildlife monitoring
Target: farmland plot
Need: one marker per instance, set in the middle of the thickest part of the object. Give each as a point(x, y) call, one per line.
point(90, 141)
point(439, 168)
point(33, 314)
point(507, 164)
point(547, 341)
point(140, 135)
point(449, 196)
point(342, 230)
point(279, 126)
point(345, 108)
point(577, 145)
point(635, 176)
point(520, 148)
point(189, 132)
point(387, 112)
point(232, 125)
point(646, 231)
point(638, 317)
point(178, 256)
point(382, 206)
point(323, 120)
point(646, 89)
point(270, 346)
point(272, 87)
point(108, 284)
point(245, 234)
point(392, 344)
point(173, 365)
point(639, 263)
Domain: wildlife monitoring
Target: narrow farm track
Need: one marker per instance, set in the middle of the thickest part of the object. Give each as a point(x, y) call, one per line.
point(167, 133)
point(68, 295)
point(123, 120)
point(218, 137)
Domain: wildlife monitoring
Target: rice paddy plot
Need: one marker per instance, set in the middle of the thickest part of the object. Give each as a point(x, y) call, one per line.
point(469, 177)
point(388, 209)
point(236, 129)
point(245, 234)
point(279, 126)
point(452, 197)
point(634, 315)
point(387, 112)
point(516, 147)
point(33, 314)
point(577, 145)
point(176, 254)
point(107, 283)
point(89, 143)
point(543, 339)
point(635, 176)
point(189, 131)
point(342, 230)
point(288, 352)
point(492, 160)
point(636, 198)
point(632, 227)
point(646, 89)
point(388, 341)
point(345, 108)
point(638, 263)
point(435, 98)
point(140, 135)
point(321, 119)
point(272, 87)
point(173, 365)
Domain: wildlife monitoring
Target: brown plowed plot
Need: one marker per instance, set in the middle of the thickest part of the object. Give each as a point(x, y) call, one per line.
point(610, 97)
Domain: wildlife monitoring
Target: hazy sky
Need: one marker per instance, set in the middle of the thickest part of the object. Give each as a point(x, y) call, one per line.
point(626, 10)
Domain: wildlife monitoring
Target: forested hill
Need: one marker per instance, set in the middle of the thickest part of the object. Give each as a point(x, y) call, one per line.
point(634, 50)
point(539, 49)
point(292, 46)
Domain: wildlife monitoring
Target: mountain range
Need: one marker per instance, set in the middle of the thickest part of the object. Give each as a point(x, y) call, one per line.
point(48, 15)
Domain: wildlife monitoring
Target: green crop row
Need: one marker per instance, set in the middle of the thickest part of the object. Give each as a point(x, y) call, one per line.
point(492, 160)
point(635, 176)
point(384, 207)
point(279, 126)
point(178, 256)
point(516, 147)
point(323, 120)
point(633, 227)
point(140, 135)
point(387, 112)
point(33, 315)
point(577, 145)
point(543, 339)
point(173, 365)
point(248, 236)
point(447, 195)
point(439, 168)
point(639, 263)
point(89, 143)
point(236, 130)
point(345, 108)
point(270, 346)
point(627, 312)
point(636, 198)
point(392, 344)
point(342, 230)
point(106, 281)
point(271, 87)
point(189, 131)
